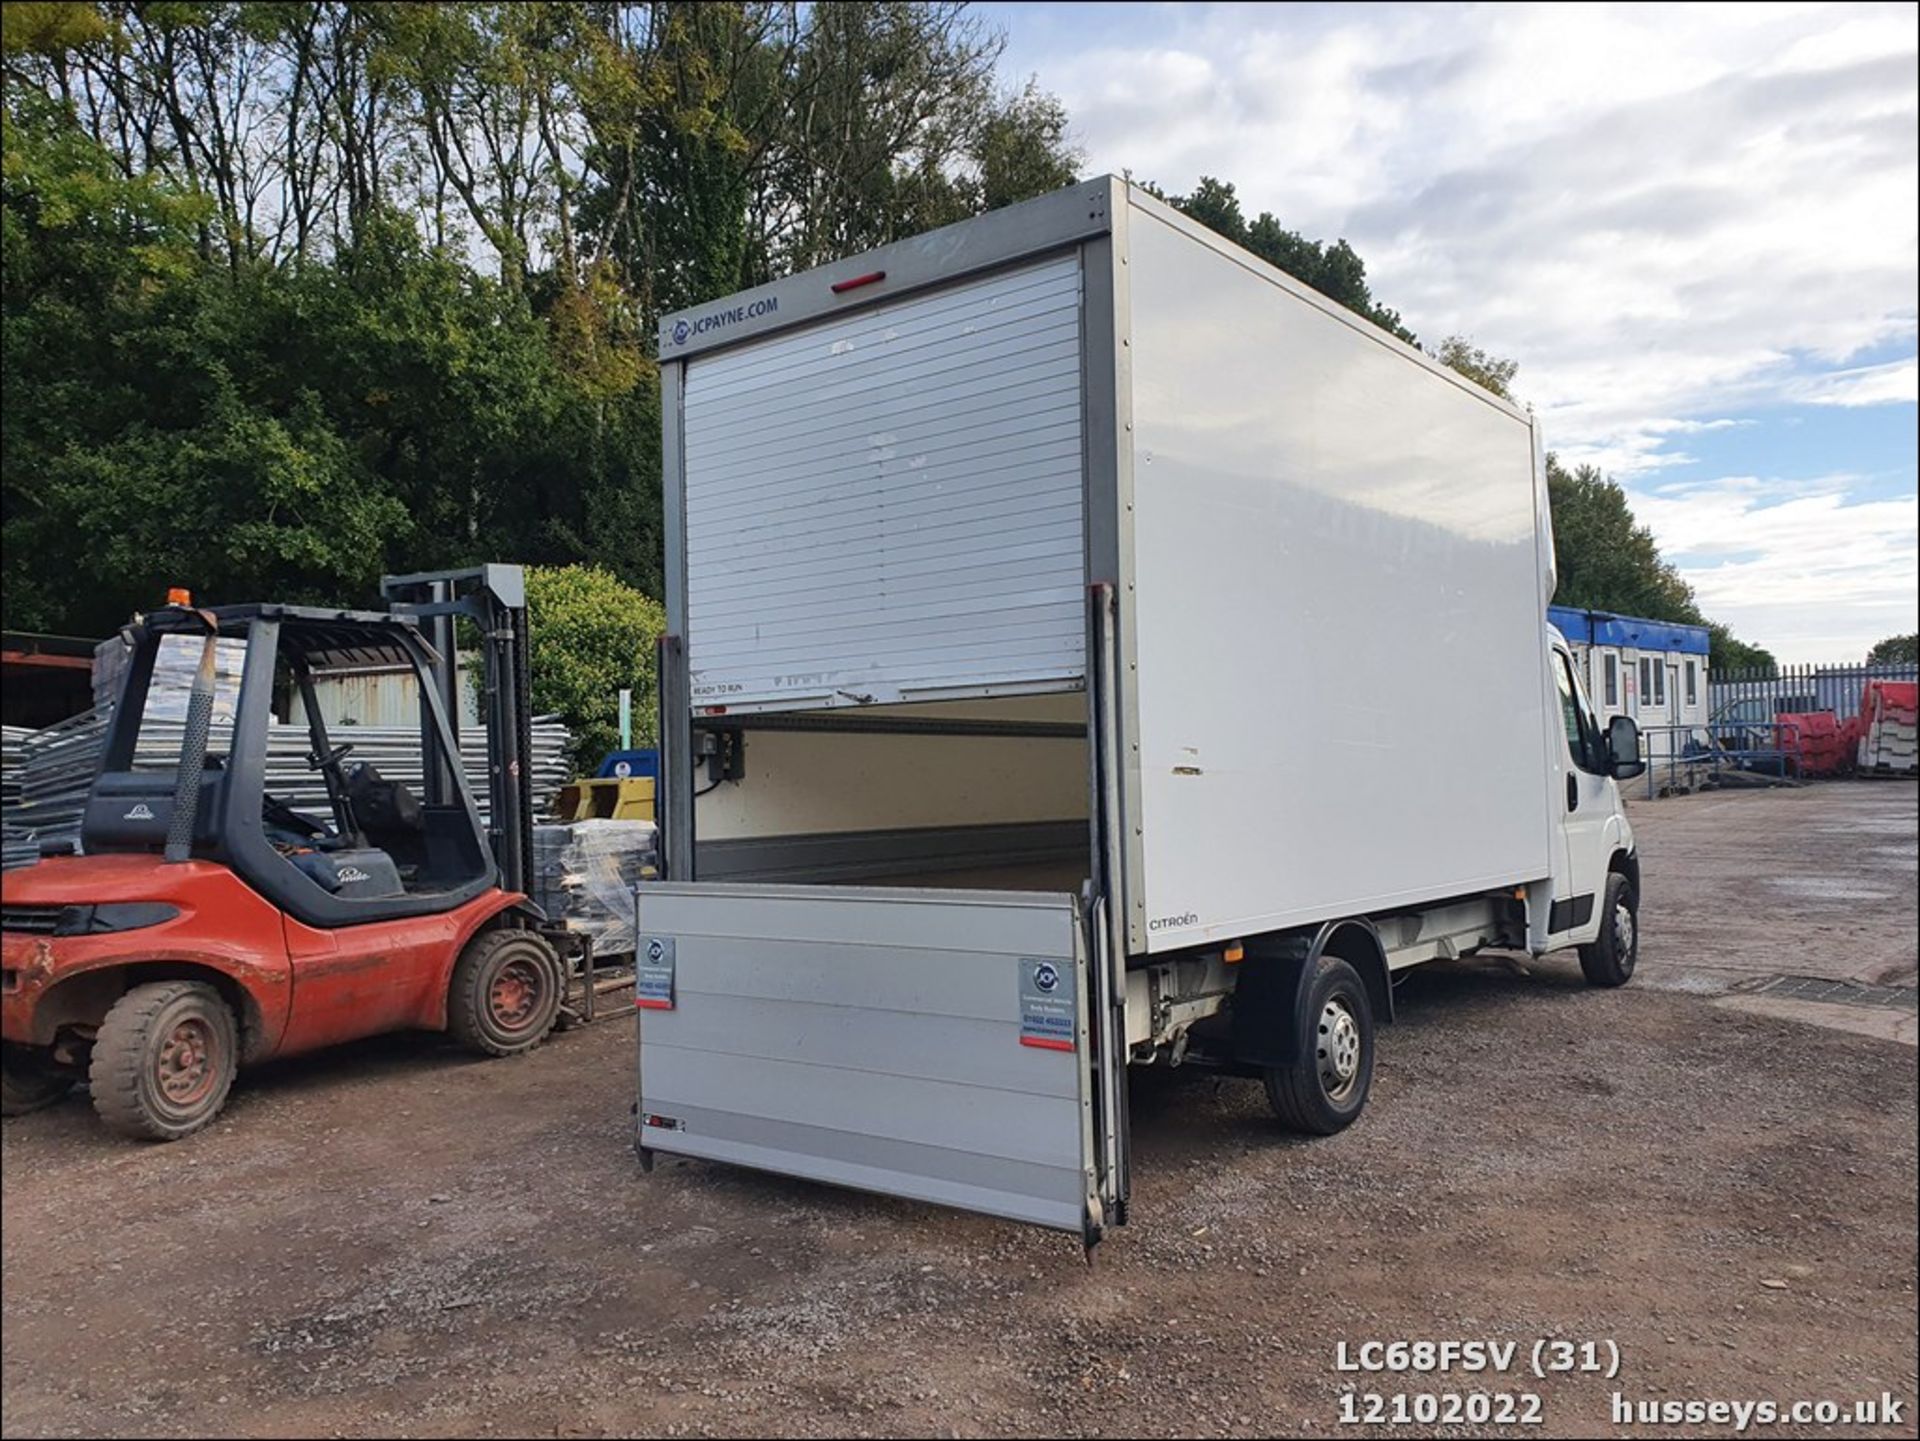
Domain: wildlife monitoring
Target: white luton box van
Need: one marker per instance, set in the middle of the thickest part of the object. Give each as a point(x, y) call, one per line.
point(1088, 647)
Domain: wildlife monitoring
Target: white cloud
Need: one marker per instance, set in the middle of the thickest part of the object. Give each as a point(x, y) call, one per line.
point(1759, 551)
point(1669, 215)
point(1894, 382)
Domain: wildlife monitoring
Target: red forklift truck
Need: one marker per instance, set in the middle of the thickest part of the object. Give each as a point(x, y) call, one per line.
point(208, 924)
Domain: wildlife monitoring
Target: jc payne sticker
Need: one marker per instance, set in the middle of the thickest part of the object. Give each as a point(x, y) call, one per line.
point(1046, 1004)
point(653, 976)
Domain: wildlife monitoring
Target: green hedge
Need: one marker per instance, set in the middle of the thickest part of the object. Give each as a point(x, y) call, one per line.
point(592, 635)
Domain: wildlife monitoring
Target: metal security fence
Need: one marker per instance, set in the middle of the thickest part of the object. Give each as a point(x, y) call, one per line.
point(1755, 697)
point(1785, 725)
point(1685, 758)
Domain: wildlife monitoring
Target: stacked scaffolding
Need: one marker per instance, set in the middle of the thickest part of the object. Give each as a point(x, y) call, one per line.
point(57, 765)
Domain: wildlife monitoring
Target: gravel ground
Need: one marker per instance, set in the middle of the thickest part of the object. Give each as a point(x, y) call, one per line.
point(392, 1240)
point(1817, 881)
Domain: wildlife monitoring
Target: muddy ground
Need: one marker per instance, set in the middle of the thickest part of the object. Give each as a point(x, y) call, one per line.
point(391, 1239)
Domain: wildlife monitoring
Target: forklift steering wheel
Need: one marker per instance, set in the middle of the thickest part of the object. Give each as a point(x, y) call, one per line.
point(331, 758)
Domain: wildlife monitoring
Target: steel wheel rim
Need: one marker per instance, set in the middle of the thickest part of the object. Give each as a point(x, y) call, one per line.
point(1337, 1049)
point(186, 1069)
point(1624, 932)
point(514, 997)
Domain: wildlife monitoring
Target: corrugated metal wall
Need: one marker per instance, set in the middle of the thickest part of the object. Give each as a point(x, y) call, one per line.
point(384, 696)
point(891, 504)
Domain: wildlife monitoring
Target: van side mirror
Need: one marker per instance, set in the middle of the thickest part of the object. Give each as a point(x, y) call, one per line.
point(1623, 748)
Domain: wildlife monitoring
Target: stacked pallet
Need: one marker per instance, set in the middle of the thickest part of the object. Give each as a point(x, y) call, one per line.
point(1889, 711)
point(174, 666)
point(584, 875)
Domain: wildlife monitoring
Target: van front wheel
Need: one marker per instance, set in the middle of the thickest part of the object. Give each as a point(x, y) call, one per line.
point(1609, 959)
point(1325, 1088)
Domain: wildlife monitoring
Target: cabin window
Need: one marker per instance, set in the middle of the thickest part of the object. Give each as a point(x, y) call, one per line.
point(1584, 743)
point(1693, 686)
point(1611, 670)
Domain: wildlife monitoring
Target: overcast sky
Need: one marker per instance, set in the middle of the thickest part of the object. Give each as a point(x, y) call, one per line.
point(1694, 227)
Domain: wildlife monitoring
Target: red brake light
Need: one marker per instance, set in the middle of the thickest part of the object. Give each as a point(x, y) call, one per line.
point(841, 287)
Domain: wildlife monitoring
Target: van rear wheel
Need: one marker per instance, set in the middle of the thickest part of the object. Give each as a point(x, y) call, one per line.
point(1325, 1088)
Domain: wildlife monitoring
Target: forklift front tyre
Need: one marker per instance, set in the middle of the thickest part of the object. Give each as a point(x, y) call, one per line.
point(30, 1080)
point(505, 994)
point(164, 1060)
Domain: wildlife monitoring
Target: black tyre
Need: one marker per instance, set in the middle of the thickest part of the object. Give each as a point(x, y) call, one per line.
point(1609, 959)
point(30, 1080)
point(1325, 1088)
point(505, 994)
point(164, 1060)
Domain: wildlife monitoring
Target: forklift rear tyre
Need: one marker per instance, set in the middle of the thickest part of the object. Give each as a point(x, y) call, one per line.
point(1325, 1088)
point(1610, 958)
point(506, 993)
point(164, 1060)
point(29, 1080)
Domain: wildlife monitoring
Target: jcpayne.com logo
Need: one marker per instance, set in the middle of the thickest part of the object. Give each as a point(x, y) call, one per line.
point(684, 330)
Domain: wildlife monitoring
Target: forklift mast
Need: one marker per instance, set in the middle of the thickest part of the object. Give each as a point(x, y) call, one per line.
point(494, 599)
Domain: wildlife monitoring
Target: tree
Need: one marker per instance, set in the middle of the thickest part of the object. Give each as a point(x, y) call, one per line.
point(1215, 205)
point(286, 433)
point(1336, 270)
point(1456, 352)
point(295, 293)
point(1023, 150)
point(590, 638)
point(1895, 650)
point(1606, 560)
point(133, 458)
point(729, 143)
point(1726, 653)
point(890, 100)
point(682, 142)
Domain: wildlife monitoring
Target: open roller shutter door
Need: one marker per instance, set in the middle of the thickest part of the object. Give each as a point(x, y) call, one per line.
point(891, 505)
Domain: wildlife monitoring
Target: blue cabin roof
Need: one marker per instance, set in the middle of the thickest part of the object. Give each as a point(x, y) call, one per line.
point(1600, 627)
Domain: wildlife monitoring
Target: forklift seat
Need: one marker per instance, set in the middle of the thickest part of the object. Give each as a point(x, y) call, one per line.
point(385, 809)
